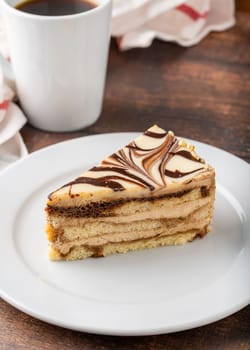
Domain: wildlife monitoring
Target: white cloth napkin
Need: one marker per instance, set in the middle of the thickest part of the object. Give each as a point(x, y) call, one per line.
point(136, 23)
point(12, 118)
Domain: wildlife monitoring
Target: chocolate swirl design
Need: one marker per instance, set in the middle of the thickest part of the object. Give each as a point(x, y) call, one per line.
point(143, 162)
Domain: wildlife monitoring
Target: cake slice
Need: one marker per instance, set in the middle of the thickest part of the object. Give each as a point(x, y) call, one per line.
point(156, 191)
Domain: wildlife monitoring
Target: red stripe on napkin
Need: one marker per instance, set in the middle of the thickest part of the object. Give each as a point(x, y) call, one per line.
point(191, 12)
point(119, 42)
point(4, 104)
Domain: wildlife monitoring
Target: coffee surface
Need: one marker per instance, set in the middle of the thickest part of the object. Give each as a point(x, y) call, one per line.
point(55, 7)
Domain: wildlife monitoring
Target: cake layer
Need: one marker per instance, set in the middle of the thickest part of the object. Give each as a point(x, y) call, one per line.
point(82, 252)
point(160, 210)
point(98, 228)
point(158, 213)
point(136, 206)
point(108, 231)
point(102, 234)
point(65, 246)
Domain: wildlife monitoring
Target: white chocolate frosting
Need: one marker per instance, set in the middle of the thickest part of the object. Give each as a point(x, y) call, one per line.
point(153, 161)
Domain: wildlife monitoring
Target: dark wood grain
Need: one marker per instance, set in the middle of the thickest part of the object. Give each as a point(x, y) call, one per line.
point(202, 93)
point(20, 331)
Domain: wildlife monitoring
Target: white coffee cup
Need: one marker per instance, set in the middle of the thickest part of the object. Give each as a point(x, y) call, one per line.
point(59, 64)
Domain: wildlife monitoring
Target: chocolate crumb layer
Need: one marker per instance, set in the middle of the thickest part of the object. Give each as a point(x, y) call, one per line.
point(204, 191)
point(102, 209)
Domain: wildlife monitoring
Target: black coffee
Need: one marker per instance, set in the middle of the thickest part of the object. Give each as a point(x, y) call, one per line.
point(55, 7)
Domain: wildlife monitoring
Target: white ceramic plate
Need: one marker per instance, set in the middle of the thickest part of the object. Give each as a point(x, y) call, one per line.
point(147, 292)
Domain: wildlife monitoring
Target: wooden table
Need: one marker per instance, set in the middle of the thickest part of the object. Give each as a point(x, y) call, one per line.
point(202, 93)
